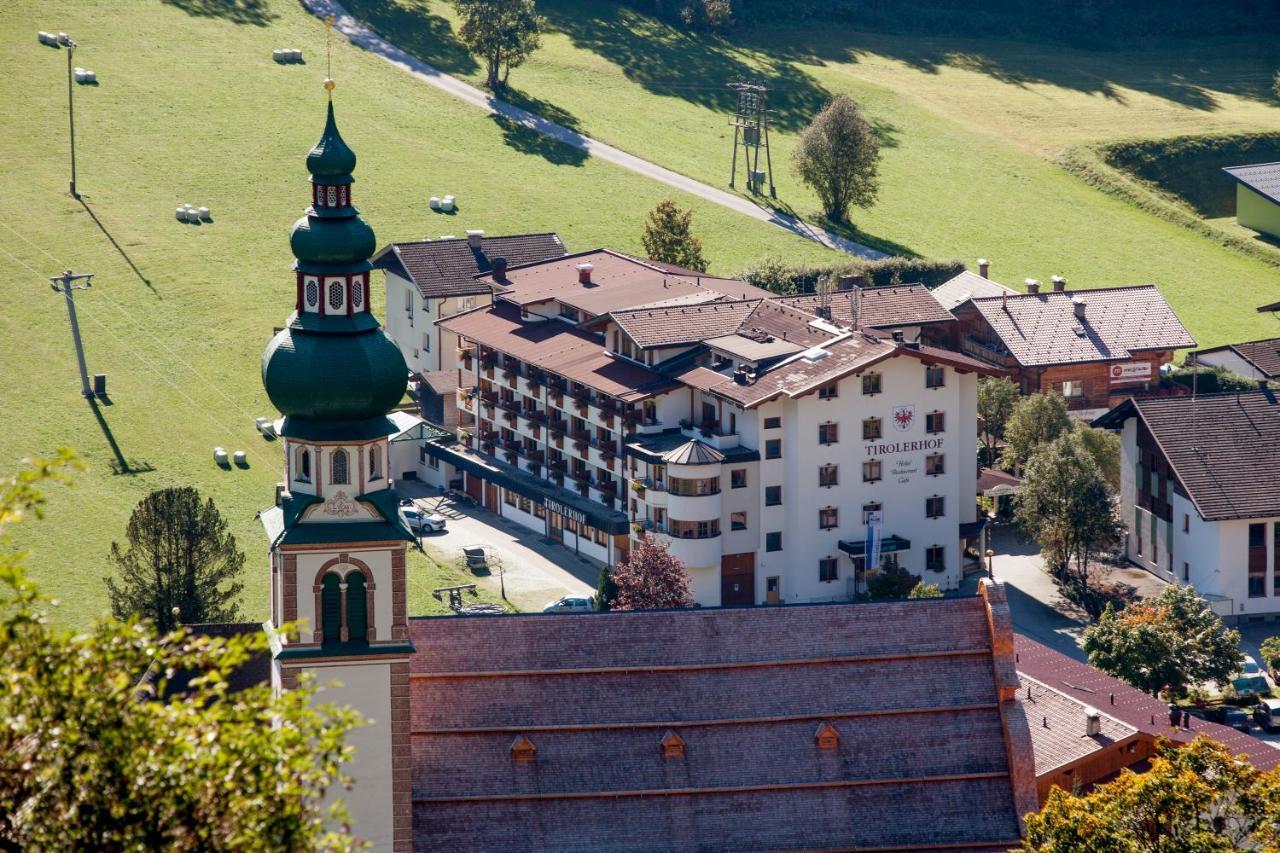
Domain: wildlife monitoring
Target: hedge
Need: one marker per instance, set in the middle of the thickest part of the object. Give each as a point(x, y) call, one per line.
point(777, 276)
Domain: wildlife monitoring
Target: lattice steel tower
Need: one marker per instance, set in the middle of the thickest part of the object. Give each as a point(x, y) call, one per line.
point(751, 133)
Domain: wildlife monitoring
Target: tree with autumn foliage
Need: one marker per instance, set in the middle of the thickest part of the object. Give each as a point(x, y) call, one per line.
point(650, 578)
point(668, 237)
point(1194, 798)
point(1172, 641)
point(100, 749)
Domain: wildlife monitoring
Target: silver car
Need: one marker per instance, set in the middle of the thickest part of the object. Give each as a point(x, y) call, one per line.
point(420, 522)
point(571, 604)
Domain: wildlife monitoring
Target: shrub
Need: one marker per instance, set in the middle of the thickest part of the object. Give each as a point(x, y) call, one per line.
point(892, 583)
point(775, 275)
point(1211, 380)
point(925, 590)
point(926, 271)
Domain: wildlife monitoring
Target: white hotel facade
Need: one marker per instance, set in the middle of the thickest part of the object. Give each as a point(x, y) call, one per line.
point(603, 399)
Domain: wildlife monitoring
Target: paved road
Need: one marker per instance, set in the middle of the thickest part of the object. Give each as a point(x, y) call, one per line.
point(359, 34)
point(536, 571)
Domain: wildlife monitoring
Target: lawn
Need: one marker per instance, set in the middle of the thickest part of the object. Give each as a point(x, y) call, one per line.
point(190, 108)
point(971, 131)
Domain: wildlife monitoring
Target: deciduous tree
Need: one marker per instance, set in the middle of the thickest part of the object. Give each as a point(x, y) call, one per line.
point(650, 578)
point(1104, 446)
point(1197, 798)
point(838, 156)
point(503, 32)
point(1067, 507)
point(180, 554)
point(997, 395)
point(925, 590)
point(891, 583)
point(1035, 421)
point(1173, 641)
point(668, 237)
point(98, 753)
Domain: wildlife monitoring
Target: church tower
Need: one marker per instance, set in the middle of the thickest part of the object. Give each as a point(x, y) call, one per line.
point(338, 539)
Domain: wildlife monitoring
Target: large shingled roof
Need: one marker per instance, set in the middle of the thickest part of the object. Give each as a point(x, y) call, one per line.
point(965, 286)
point(1262, 178)
point(1042, 329)
point(547, 732)
point(877, 307)
point(1264, 355)
point(449, 267)
point(1223, 448)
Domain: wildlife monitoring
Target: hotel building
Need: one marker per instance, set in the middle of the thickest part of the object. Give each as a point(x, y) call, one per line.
point(603, 399)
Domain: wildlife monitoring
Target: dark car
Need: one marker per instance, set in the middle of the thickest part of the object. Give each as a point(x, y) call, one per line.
point(1228, 715)
point(1267, 714)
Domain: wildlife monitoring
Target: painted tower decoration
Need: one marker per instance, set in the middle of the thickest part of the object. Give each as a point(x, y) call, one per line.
point(338, 538)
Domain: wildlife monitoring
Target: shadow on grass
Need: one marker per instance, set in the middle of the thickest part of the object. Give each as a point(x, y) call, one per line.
point(411, 26)
point(255, 12)
point(128, 260)
point(676, 63)
point(527, 140)
point(121, 464)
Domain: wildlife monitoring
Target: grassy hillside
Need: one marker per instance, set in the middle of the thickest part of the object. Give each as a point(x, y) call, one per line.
point(192, 109)
point(970, 129)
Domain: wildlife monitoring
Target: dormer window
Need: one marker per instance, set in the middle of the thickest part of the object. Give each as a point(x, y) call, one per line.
point(826, 737)
point(523, 751)
point(672, 745)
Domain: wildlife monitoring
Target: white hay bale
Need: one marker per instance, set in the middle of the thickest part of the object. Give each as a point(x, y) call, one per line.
point(434, 202)
point(239, 457)
point(181, 214)
point(220, 456)
point(205, 214)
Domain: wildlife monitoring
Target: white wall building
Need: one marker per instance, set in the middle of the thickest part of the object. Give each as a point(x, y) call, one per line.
point(1200, 494)
point(604, 399)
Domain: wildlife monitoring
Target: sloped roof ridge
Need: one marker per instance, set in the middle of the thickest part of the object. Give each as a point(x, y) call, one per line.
point(1069, 292)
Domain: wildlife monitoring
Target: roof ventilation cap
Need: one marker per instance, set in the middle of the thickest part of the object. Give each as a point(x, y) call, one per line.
point(816, 354)
point(474, 236)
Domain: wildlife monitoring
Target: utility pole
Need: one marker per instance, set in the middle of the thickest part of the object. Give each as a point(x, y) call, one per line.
point(67, 284)
point(751, 132)
point(71, 113)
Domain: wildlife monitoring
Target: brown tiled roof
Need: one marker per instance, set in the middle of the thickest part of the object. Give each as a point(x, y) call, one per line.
point(1058, 724)
point(441, 382)
point(449, 267)
point(989, 478)
point(909, 687)
point(966, 286)
point(877, 307)
point(558, 347)
point(857, 351)
point(617, 282)
point(655, 327)
point(1129, 705)
point(1264, 355)
point(1042, 329)
point(1223, 448)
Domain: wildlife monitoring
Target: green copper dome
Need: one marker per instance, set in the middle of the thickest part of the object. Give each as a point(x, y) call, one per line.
point(329, 373)
point(320, 240)
point(334, 377)
point(331, 157)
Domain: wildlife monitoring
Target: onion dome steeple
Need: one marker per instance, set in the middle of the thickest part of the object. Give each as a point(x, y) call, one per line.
point(332, 371)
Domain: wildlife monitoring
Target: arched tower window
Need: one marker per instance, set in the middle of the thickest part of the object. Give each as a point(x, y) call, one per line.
point(339, 467)
point(304, 465)
point(357, 609)
point(375, 462)
point(331, 607)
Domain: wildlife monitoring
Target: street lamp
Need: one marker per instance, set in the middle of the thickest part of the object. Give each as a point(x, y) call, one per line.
point(59, 41)
point(991, 562)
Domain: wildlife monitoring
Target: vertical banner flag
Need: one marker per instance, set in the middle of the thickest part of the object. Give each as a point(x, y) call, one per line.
point(873, 539)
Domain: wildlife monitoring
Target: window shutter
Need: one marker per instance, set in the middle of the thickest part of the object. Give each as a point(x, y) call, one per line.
point(357, 609)
point(331, 608)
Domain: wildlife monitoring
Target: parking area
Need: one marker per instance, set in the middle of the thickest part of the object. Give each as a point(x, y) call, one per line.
point(533, 569)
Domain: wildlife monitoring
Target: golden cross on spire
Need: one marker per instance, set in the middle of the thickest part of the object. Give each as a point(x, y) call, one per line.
point(328, 58)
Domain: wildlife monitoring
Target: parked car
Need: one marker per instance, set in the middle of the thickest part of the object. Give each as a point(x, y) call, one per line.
point(420, 522)
point(571, 604)
point(1251, 681)
point(1267, 714)
point(1229, 715)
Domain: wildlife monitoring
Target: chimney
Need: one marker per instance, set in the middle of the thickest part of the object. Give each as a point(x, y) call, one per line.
point(897, 336)
point(1033, 285)
point(584, 273)
point(1077, 305)
point(474, 237)
point(1059, 284)
point(984, 267)
point(1092, 722)
point(1004, 300)
point(500, 269)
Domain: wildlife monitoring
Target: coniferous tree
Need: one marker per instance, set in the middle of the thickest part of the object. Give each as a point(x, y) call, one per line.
point(606, 590)
point(668, 237)
point(180, 554)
